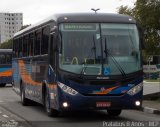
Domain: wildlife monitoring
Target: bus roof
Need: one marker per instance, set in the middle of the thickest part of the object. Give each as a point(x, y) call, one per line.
point(81, 17)
point(5, 50)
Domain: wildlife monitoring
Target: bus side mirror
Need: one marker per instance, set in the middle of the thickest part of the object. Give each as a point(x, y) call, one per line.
point(54, 31)
point(54, 37)
point(53, 41)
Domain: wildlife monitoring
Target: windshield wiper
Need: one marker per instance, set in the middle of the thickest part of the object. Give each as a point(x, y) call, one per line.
point(92, 50)
point(107, 53)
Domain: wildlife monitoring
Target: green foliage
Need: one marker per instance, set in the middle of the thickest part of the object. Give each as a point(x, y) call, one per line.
point(6, 45)
point(147, 13)
point(125, 10)
point(25, 26)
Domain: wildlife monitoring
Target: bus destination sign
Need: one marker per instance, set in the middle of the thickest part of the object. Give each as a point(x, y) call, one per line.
point(79, 26)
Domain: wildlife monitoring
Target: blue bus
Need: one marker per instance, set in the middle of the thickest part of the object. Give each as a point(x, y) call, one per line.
point(80, 61)
point(5, 67)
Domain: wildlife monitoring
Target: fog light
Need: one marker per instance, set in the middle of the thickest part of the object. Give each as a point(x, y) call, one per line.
point(138, 103)
point(65, 104)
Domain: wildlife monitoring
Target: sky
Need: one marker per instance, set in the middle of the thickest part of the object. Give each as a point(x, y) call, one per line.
point(37, 10)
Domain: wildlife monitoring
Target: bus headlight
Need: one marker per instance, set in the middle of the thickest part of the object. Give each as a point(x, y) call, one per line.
point(135, 89)
point(67, 89)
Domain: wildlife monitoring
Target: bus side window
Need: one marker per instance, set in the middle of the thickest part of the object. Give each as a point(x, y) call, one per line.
point(25, 46)
point(45, 40)
point(2, 59)
point(37, 43)
point(31, 44)
point(20, 47)
point(8, 59)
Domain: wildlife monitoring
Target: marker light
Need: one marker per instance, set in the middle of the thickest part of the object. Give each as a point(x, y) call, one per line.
point(137, 103)
point(65, 18)
point(65, 104)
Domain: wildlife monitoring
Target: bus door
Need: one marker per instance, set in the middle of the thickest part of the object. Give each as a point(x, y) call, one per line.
point(52, 58)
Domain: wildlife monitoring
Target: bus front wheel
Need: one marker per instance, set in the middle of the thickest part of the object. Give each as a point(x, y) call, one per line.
point(50, 112)
point(115, 112)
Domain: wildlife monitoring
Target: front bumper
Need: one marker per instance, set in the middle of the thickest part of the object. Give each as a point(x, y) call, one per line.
point(81, 102)
point(6, 79)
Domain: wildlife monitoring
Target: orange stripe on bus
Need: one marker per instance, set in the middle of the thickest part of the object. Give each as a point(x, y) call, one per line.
point(106, 91)
point(25, 76)
point(6, 73)
point(28, 79)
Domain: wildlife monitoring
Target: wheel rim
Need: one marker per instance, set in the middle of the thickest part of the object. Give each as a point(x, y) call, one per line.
point(47, 103)
point(22, 96)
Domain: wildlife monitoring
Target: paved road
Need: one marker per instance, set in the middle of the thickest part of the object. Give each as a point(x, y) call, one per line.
point(35, 116)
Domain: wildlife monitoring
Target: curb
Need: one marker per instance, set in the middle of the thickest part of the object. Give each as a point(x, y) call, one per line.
point(151, 110)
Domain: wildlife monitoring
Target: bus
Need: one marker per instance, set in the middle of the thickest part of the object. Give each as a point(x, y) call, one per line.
point(5, 67)
point(80, 61)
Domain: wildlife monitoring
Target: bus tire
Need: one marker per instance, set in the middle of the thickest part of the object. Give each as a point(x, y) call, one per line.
point(115, 112)
point(2, 84)
point(50, 112)
point(24, 100)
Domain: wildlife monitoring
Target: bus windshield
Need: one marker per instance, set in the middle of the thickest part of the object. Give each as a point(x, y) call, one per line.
point(93, 48)
point(5, 58)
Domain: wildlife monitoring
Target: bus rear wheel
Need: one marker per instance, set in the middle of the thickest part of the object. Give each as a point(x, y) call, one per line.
point(50, 112)
point(115, 112)
point(24, 100)
point(2, 84)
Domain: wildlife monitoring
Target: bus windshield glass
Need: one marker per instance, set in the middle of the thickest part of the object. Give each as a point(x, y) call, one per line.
point(5, 58)
point(93, 48)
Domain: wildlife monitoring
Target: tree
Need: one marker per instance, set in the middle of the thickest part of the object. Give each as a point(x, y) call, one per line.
point(125, 10)
point(147, 13)
point(6, 45)
point(25, 26)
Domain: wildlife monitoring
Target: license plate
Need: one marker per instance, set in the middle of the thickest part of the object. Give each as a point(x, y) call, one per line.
point(103, 104)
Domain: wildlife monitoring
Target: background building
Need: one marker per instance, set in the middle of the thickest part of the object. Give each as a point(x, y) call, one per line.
point(10, 23)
